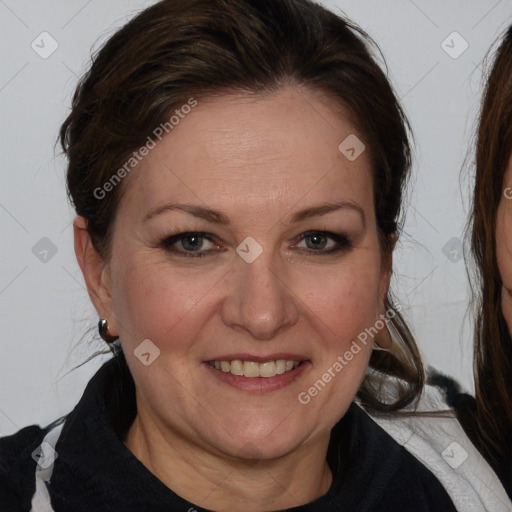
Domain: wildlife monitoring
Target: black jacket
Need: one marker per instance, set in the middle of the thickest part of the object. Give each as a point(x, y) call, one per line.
point(95, 472)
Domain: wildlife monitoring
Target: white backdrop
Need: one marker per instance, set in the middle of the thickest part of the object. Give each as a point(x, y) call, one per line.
point(44, 307)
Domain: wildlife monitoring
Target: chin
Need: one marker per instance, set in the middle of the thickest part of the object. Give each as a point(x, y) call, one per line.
point(254, 450)
point(255, 446)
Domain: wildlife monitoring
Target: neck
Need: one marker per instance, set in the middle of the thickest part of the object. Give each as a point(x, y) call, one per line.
point(212, 481)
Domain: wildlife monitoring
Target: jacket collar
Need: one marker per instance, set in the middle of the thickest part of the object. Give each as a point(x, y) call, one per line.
point(96, 471)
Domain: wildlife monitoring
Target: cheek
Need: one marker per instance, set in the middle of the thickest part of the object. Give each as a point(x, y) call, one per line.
point(504, 255)
point(342, 307)
point(346, 299)
point(504, 242)
point(154, 299)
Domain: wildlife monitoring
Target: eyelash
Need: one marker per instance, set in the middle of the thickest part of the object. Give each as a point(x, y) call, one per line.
point(344, 243)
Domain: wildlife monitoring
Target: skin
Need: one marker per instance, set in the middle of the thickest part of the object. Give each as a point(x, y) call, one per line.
point(258, 160)
point(504, 244)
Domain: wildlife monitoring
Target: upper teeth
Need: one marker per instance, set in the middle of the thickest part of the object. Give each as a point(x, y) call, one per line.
point(254, 369)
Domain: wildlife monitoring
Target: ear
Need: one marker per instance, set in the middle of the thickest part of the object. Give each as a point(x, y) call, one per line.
point(96, 273)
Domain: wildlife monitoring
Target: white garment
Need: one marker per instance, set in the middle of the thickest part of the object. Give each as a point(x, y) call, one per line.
point(41, 499)
point(442, 446)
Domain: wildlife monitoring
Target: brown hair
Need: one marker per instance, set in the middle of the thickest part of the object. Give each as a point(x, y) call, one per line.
point(175, 50)
point(493, 345)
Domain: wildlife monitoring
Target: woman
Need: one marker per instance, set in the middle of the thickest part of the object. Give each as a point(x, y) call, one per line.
point(237, 170)
point(489, 420)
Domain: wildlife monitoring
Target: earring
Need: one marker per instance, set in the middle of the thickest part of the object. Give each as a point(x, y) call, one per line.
point(103, 330)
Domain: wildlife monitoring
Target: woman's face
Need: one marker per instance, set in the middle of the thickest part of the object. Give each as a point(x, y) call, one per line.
point(260, 178)
point(504, 244)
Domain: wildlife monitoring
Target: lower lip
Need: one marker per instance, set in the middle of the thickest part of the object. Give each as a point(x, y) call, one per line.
point(259, 384)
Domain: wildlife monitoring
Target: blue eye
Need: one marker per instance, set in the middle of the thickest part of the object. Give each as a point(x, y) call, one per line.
point(320, 242)
point(191, 243)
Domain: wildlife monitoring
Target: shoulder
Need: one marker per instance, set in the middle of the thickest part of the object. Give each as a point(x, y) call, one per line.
point(382, 475)
point(17, 468)
point(431, 432)
point(465, 408)
point(414, 487)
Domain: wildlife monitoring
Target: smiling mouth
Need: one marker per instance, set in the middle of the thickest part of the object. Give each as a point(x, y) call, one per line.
point(254, 369)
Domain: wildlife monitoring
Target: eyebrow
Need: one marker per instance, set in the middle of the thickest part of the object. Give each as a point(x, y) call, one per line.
point(217, 217)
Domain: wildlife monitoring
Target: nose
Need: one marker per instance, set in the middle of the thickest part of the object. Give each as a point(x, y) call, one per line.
point(259, 300)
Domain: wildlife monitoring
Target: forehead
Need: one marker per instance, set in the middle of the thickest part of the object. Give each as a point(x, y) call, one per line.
point(262, 151)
